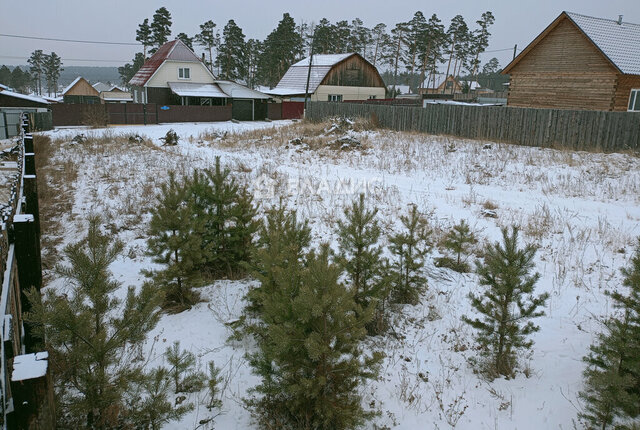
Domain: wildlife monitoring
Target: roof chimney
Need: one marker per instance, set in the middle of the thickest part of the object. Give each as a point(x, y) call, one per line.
point(619, 19)
point(203, 57)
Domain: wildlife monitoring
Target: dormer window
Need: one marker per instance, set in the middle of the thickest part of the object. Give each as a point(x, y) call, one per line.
point(184, 73)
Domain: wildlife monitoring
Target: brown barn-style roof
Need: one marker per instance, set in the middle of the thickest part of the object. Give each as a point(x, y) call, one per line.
point(175, 50)
point(617, 41)
point(295, 80)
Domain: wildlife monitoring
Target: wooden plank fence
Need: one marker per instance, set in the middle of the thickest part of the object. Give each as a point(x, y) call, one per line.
point(578, 130)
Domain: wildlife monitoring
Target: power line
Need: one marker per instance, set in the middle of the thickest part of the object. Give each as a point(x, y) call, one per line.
point(70, 40)
point(70, 59)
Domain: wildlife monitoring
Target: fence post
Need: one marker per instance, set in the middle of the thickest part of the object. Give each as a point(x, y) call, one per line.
point(29, 265)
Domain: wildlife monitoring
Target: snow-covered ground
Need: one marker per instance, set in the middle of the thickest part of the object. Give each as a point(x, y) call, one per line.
point(581, 209)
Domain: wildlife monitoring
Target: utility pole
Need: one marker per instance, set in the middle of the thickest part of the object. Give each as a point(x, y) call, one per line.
point(306, 92)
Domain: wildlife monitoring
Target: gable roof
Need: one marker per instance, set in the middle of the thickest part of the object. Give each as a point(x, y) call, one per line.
point(295, 80)
point(436, 80)
point(31, 98)
point(175, 50)
point(618, 43)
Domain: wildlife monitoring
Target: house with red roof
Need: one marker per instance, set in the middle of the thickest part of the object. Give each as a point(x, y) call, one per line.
point(175, 75)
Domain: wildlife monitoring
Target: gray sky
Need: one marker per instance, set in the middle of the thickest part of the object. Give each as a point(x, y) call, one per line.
point(117, 20)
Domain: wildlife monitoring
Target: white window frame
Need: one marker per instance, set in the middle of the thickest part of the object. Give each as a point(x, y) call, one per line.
point(334, 97)
point(184, 73)
point(634, 100)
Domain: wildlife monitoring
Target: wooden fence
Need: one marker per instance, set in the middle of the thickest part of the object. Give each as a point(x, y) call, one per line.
point(580, 130)
point(26, 398)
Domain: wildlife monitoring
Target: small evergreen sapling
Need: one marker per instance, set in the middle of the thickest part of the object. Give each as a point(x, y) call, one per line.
point(175, 241)
point(228, 213)
point(310, 358)
point(409, 249)
point(150, 405)
point(280, 249)
point(612, 376)
point(94, 337)
point(361, 257)
point(507, 305)
point(457, 242)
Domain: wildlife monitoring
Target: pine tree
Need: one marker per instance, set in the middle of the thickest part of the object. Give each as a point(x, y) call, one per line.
point(324, 41)
point(612, 376)
point(431, 51)
point(144, 36)
point(508, 304)
point(213, 386)
point(94, 337)
point(36, 63)
point(311, 360)
point(150, 407)
point(52, 69)
point(228, 215)
point(5, 76)
point(280, 247)
point(20, 80)
point(457, 241)
point(185, 39)
point(480, 41)
point(160, 28)
point(175, 241)
point(282, 47)
point(207, 39)
point(361, 257)
point(127, 71)
point(232, 51)
point(409, 249)
point(380, 41)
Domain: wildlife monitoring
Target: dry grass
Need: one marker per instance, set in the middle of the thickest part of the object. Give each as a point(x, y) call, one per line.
point(55, 196)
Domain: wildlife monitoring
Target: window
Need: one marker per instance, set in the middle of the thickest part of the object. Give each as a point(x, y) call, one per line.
point(372, 97)
point(335, 97)
point(184, 73)
point(634, 101)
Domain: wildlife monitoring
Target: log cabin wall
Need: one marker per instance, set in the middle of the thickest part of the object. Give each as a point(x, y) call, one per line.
point(563, 71)
point(82, 88)
point(624, 85)
point(353, 72)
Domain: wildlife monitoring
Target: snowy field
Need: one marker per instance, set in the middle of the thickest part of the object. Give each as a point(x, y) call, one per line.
point(581, 210)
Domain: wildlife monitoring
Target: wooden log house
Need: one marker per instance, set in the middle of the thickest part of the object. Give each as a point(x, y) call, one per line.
point(579, 62)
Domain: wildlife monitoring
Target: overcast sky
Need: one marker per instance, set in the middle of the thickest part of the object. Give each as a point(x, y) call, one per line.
point(517, 22)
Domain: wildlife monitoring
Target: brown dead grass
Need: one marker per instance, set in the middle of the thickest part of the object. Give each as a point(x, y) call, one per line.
point(55, 196)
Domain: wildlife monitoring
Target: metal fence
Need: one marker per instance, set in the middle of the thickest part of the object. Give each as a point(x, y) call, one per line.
point(580, 130)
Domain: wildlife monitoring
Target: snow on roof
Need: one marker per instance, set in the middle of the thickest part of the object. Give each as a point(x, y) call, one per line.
point(295, 80)
point(100, 87)
point(219, 89)
point(175, 50)
point(68, 87)
point(284, 91)
point(619, 42)
point(473, 85)
point(30, 366)
point(190, 89)
point(323, 60)
point(434, 81)
point(36, 99)
point(238, 91)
